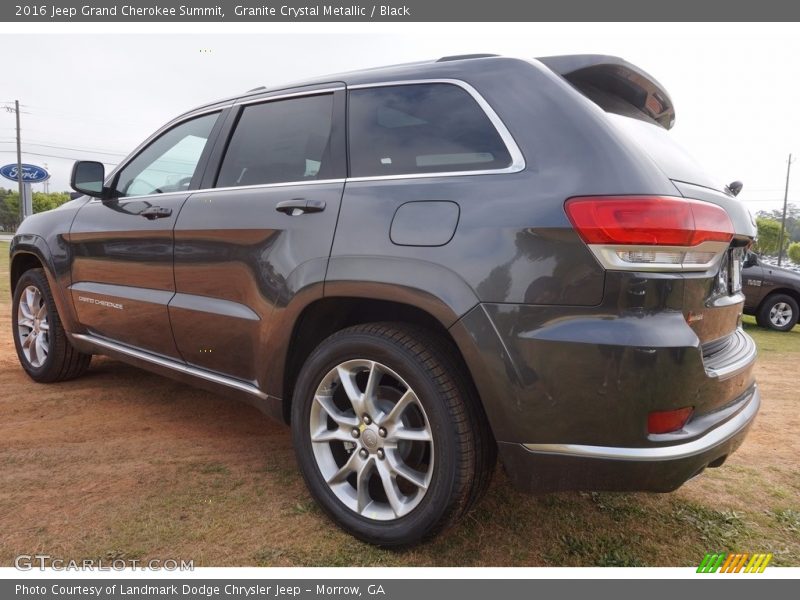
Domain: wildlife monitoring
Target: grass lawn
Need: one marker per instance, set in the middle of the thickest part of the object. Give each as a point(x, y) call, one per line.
point(4, 275)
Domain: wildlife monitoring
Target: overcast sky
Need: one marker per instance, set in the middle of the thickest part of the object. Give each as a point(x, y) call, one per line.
point(735, 87)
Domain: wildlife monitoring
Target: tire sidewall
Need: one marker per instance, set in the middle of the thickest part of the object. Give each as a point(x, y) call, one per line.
point(38, 280)
point(437, 500)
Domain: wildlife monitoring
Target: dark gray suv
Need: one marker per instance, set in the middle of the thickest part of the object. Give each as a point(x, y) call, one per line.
point(418, 267)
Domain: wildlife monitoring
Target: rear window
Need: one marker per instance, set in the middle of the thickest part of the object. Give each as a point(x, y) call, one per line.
point(421, 128)
point(661, 147)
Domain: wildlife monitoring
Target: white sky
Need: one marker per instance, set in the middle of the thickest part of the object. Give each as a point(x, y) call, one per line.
point(735, 86)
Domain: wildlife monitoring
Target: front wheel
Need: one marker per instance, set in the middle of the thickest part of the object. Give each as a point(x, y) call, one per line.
point(778, 312)
point(387, 433)
point(41, 343)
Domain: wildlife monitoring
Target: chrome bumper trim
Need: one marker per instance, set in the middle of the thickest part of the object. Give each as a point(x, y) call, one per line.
point(713, 438)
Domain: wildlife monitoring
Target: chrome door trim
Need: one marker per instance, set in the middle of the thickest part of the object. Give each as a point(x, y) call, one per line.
point(171, 364)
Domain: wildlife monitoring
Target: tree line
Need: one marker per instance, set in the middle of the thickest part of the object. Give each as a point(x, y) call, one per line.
point(769, 228)
point(9, 206)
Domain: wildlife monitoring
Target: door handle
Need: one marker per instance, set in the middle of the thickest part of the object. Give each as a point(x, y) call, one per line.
point(300, 206)
point(155, 212)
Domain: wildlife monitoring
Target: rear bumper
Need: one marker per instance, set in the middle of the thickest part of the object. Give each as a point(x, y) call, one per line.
point(662, 468)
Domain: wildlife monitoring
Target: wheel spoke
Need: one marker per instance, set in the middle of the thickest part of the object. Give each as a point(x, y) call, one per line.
point(406, 400)
point(411, 435)
point(400, 469)
point(341, 419)
point(25, 308)
point(351, 466)
point(25, 322)
point(390, 487)
point(332, 435)
point(348, 379)
point(26, 343)
point(41, 347)
point(29, 294)
point(370, 397)
point(33, 348)
point(362, 484)
point(44, 326)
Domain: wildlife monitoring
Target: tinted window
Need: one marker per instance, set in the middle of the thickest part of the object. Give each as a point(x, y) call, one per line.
point(280, 141)
point(661, 146)
point(169, 162)
point(424, 128)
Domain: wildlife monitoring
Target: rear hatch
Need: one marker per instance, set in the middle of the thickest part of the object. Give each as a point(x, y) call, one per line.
point(641, 111)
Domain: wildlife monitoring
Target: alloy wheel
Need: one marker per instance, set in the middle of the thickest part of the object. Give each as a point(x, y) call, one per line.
point(33, 326)
point(780, 314)
point(371, 440)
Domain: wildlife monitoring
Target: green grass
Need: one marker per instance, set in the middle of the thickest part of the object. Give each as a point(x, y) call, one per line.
point(769, 341)
point(4, 272)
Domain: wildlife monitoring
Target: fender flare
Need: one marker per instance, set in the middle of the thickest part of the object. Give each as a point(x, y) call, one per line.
point(32, 244)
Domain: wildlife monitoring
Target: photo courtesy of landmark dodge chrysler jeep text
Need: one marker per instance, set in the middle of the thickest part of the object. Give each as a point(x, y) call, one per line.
point(419, 267)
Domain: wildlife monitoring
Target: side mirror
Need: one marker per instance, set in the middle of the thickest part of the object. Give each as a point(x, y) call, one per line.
point(88, 177)
point(750, 260)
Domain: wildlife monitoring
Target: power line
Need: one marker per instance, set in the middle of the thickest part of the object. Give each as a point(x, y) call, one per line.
point(121, 154)
point(51, 156)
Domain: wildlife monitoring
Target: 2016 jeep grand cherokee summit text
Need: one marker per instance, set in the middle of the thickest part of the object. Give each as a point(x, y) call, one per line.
point(417, 267)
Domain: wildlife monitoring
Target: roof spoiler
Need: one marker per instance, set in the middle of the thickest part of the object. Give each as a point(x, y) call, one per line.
point(618, 77)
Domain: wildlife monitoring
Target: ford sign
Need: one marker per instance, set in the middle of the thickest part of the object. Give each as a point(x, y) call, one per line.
point(30, 173)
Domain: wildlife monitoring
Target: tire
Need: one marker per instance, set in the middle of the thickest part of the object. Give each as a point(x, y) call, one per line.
point(422, 456)
point(778, 312)
point(42, 346)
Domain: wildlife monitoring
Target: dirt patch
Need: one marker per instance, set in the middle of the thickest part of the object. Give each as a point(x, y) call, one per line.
point(122, 463)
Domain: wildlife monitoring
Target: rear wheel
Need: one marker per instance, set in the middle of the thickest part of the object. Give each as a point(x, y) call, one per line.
point(387, 434)
point(42, 346)
point(778, 312)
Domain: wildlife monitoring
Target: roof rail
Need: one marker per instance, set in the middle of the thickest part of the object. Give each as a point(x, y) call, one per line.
point(465, 57)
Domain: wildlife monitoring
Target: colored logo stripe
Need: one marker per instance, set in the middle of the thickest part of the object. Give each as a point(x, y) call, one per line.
point(734, 563)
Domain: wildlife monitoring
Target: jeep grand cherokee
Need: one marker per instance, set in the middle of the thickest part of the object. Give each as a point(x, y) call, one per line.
point(419, 267)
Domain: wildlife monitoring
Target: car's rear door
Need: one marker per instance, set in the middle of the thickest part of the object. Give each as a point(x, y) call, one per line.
point(122, 273)
point(260, 230)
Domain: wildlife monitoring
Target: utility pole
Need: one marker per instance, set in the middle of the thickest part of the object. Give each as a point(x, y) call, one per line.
point(19, 165)
point(783, 218)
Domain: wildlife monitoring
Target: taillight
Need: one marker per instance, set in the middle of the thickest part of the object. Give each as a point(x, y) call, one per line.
point(651, 232)
point(667, 421)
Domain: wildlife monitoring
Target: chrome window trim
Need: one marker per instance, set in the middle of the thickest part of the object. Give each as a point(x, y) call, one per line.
point(268, 185)
point(262, 100)
point(517, 159)
point(231, 189)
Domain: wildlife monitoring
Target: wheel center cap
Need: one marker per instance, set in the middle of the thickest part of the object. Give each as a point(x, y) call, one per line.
point(370, 439)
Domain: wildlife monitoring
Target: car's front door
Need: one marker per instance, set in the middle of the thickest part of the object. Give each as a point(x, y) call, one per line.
point(122, 268)
point(260, 230)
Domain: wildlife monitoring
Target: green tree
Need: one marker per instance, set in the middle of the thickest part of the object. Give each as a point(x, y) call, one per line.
point(768, 233)
point(794, 252)
point(792, 231)
point(9, 206)
point(43, 202)
point(9, 211)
